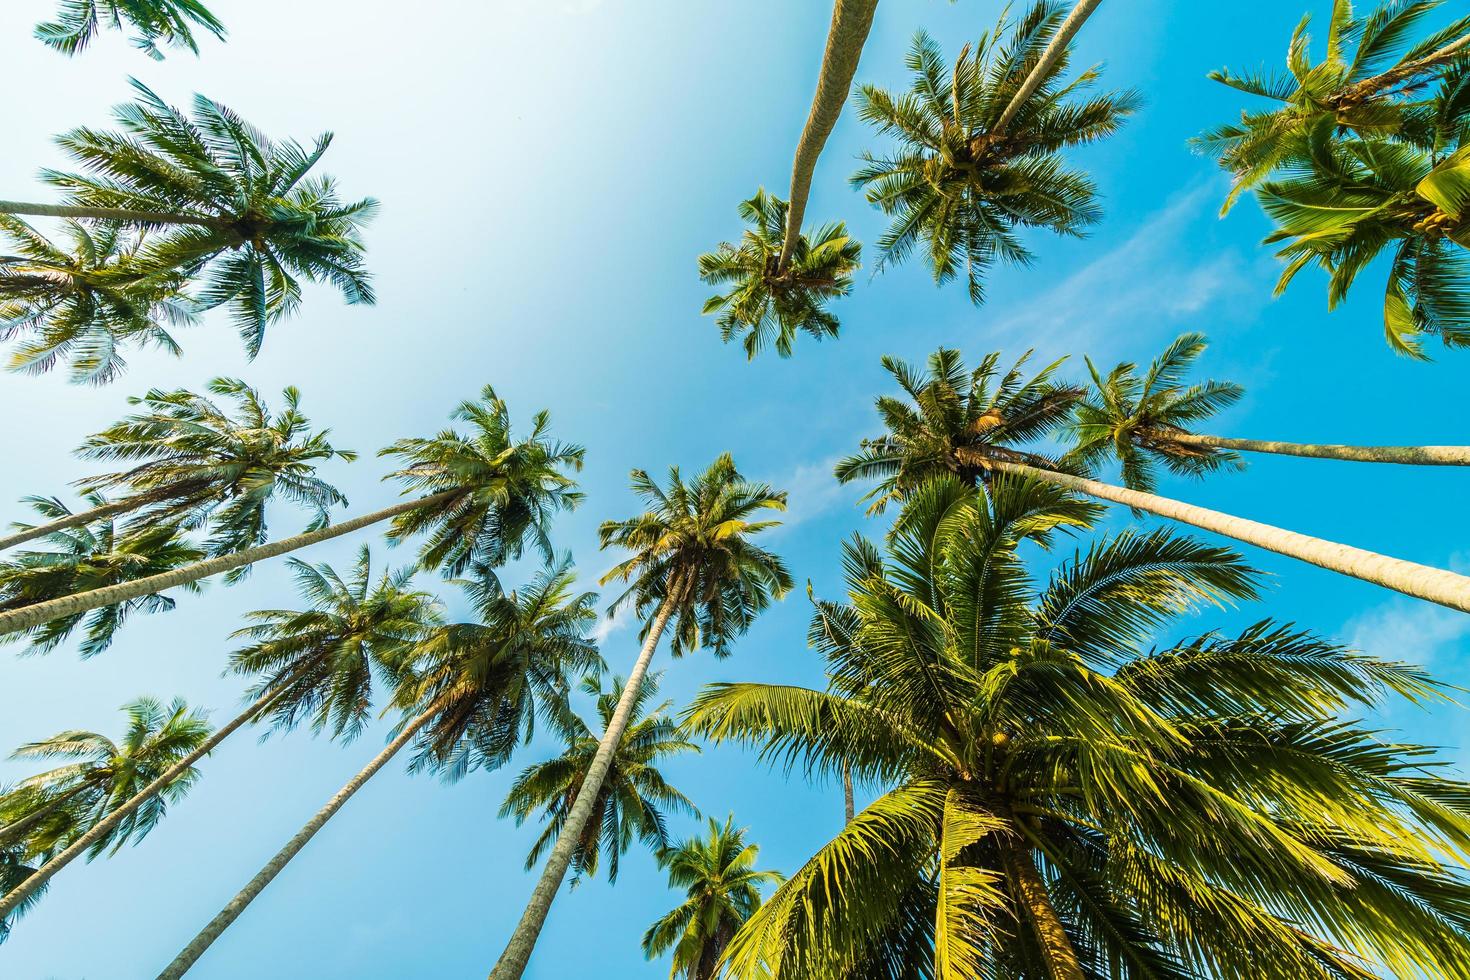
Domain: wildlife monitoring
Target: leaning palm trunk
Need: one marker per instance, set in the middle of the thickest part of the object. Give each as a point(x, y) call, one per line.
point(1049, 57)
point(277, 864)
point(27, 617)
point(105, 826)
point(130, 215)
point(1414, 455)
point(512, 962)
point(1370, 87)
point(11, 832)
point(80, 518)
point(1419, 581)
point(1034, 906)
point(851, 21)
point(847, 808)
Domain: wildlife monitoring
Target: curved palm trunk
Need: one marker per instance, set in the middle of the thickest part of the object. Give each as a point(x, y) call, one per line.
point(132, 215)
point(277, 864)
point(71, 520)
point(1414, 455)
point(851, 21)
point(41, 612)
point(1371, 86)
point(1410, 578)
point(512, 962)
point(1049, 57)
point(105, 826)
point(1034, 904)
point(847, 807)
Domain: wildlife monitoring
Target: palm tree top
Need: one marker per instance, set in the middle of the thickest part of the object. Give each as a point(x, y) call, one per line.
point(692, 548)
point(171, 22)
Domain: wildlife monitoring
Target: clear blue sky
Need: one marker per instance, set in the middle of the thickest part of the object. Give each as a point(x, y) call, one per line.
point(549, 170)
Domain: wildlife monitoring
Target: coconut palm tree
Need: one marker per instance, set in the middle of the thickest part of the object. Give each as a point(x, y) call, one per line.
point(232, 208)
point(1369, 85)
point(486, 494)
point(694, 566)
point(724, 890)
point(83, 301)
point(90, 559)
point(466, 694)
point(169, 21)
point(1066, 802)
point(192, 461)
point(956, 423)
point(962, 183)
point(1145, 422)
point(634, 800)
point(770, 301)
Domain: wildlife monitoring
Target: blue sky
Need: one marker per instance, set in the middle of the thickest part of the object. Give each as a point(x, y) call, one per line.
point(549, 170)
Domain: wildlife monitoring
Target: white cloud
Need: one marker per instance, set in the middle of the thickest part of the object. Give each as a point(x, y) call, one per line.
point(1416, 632)
point(608, 625)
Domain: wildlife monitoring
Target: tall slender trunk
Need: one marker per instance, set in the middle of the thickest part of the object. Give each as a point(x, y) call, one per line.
point(277, 864)
point(851, 21)
point(134, 215)
point(11, 831)
point(517, 954)
point(847, 808)
point(103, 827)
point(1414, 455)
point(72, 520)
point(41, 612)
point(1419, 581)
point(1372, 86)
point(1049, 58)
point(1034, 905)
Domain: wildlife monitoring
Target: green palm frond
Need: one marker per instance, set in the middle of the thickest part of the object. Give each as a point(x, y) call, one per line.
point(170, 22)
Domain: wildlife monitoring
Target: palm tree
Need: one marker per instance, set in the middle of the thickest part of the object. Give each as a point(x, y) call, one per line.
point(769, 301)
point(192, 462)
point(957, 424)
point(1146, 421)
point(15, 868)
point(82, 302)
point(961, 182)
point(466, 693)
point(486, 495)
point(89, 560)
point(1065, 802)
point(634, 797)
point(693, 565)
point(170, 21)
point(1368, 85)
point(724, 890)
point(232, 207)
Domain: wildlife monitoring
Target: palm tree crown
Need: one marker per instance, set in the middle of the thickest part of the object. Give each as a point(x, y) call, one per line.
point(1064, 801)
point(633, 797)
point(1134, 418)
point(505, 491)
point(956, 420)
point(692, 549)
point(82, 302)
point(962, 186)
point(195, 462)
point(769, 304)
point(87, 558)
point(322, 659)
point(724, 890)
point(169, 21)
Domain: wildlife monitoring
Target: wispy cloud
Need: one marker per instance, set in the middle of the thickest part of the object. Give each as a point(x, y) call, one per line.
point(1404, 630)
point(813, 491)
point(608, 625)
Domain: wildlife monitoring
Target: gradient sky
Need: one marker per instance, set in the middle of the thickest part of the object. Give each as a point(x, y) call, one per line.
point(549, 170)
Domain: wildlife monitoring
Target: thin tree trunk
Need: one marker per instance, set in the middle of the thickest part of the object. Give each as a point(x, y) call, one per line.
point(9, 831)
point(72, 520)
point(1373, 85)
point(1049, 57)
point(847, 808)
point(1034, 904)
point(1413, 455)
point(103, 827)
point(107, 214)
point(277, 864)
point(1419, 581)
point(851, 21)
point(517, 954)
point(27, 617)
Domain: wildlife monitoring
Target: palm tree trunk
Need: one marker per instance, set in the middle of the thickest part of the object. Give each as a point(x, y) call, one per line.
point(107, 214)
point(72, 520)
point(517, 954)
point(1419, 581)
point(27, 617)
point(277, 864)
point(1034, 904)
point(847, 808)
point(1049, 57)
point(1414, 455)
point(10, 831)
point(1377, 83)
point(103, 827)
point(851, 21)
